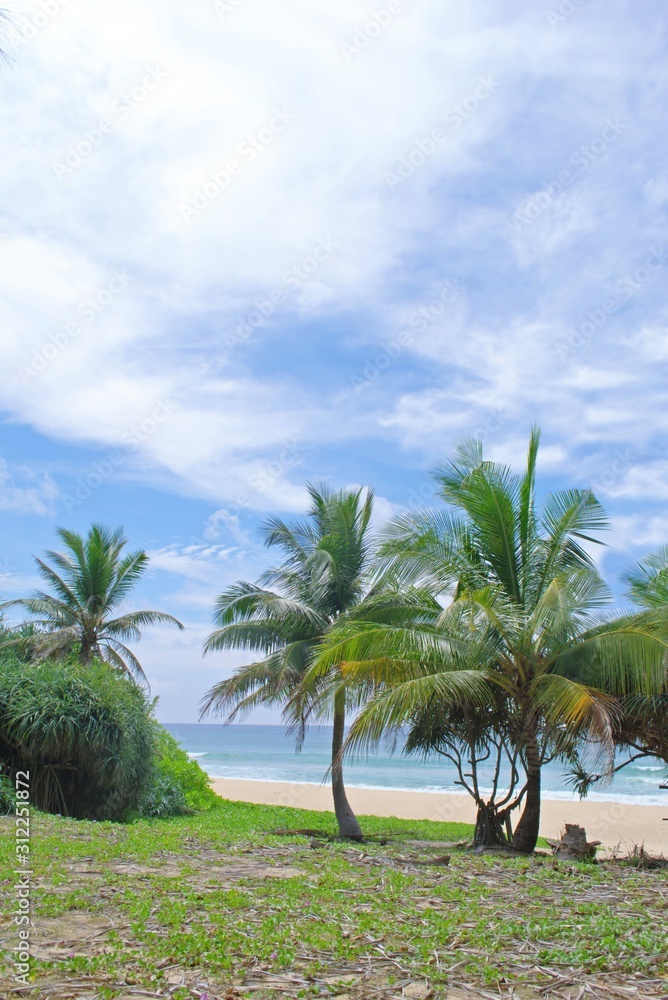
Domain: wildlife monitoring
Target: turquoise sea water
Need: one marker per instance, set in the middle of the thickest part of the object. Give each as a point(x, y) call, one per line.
point(265, 753)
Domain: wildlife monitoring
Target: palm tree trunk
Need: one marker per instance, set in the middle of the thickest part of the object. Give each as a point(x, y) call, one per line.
point(86, 651)
point(345, 817)
point(526, 831)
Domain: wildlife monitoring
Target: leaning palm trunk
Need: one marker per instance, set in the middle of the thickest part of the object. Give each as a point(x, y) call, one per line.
point(345, 817)
point(526, 832)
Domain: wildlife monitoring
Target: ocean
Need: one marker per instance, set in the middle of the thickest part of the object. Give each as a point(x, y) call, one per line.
point(266, 753)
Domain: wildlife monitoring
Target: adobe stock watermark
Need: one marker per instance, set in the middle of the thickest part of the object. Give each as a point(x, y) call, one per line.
point(262, 481)
point(224, 8)
point(247, 152)
point(88, 310)
point(491, 422)
point(418, 322)
point(30, 25)
point(102, 471)
point(563, 11)
point(616, 469)
point(82, 149)
point(7, 568)
point(292, 279)
point(454, 118)
point(626, 287)
point(23, 873)
point(371, 29)
point(582, 158)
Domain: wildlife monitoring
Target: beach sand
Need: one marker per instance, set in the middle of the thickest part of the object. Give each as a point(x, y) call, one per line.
point(613, 823)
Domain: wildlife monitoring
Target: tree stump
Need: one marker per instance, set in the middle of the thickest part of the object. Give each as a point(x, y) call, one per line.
point(574, 845)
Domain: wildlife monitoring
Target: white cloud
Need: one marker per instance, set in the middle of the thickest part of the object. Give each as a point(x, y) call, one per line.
point(201, 87)
point(14, 584)
point(25, 491)
point(642, 532)
point(242, 423)
point(646, 480)
point(195, 562)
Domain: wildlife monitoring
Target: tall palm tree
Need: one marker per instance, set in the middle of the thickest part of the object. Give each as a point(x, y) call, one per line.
point(94, 578)
point(524, 619)
point(324, 578)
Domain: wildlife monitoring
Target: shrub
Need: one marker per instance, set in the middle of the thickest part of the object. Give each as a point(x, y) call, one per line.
point(7, 797)
point(85, 733)
point(179, 785)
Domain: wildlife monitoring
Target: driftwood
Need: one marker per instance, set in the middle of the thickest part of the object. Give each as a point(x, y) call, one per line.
point(574, 845)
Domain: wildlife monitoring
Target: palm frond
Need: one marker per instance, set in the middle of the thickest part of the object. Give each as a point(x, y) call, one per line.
point(564, 702)
point(63, 591)
point(648, 581)
point(133, 621)
point(624, 656)
point(269, 681)
point(565, 517)
point(359, 641)
point(118, 655)
point(564, 608)
point(126, 575)
point(395, 707)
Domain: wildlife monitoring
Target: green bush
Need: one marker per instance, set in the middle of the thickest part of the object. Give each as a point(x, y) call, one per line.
point(7, 797)
point(85, 733)
point(179, 784)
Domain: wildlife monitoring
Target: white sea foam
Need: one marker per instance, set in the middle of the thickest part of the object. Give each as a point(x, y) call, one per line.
point(565, 796)
point(264, 753)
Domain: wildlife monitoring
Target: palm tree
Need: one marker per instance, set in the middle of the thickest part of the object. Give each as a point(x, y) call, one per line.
point(95, 578)
point(324, 578)
point(643, 727)
point(524, 621)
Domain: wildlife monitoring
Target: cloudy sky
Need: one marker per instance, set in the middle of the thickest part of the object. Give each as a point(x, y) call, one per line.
point(248, 244)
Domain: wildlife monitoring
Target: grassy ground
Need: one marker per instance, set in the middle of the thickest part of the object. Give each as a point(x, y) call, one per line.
point(212, 906)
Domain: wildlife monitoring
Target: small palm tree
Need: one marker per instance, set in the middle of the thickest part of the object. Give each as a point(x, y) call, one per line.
point(94, 578)
point(524, 621)
point(325, 578)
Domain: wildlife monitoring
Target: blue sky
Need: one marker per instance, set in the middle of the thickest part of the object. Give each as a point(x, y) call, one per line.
point(251, 245)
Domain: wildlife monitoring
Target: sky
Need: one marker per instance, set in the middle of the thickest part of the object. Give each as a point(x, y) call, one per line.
point(249, 245)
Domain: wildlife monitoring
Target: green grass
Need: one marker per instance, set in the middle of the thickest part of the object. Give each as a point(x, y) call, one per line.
point(168, 904)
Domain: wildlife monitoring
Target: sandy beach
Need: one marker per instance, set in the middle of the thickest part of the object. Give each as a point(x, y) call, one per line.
point(613, 823)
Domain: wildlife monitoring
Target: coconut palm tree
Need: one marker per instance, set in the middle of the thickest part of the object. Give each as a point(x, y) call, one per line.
point(325, 578)
point(524, 619)
point(644, 725)
point(94, 578)
point(641, 728)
